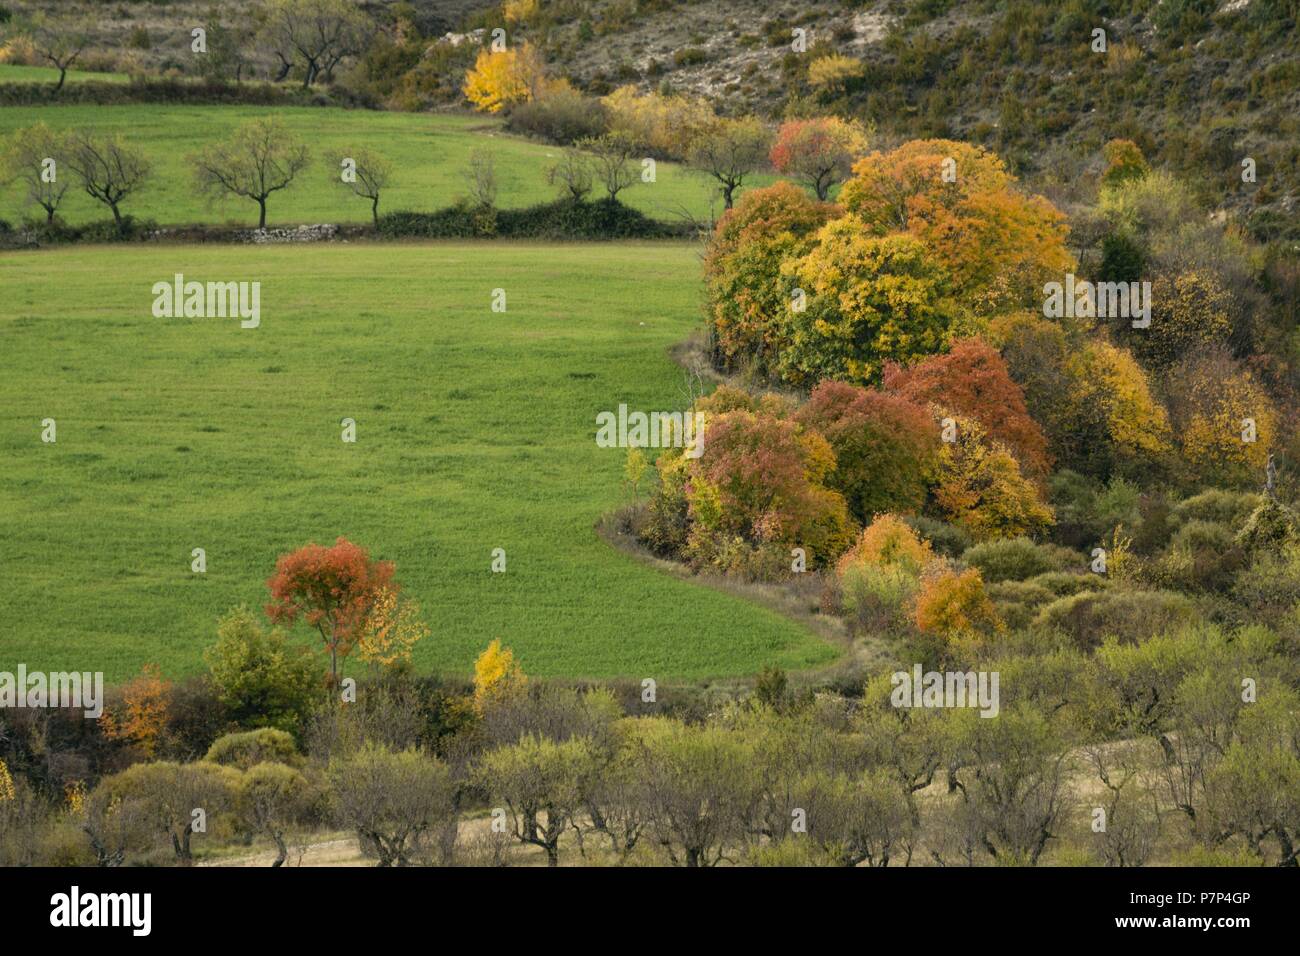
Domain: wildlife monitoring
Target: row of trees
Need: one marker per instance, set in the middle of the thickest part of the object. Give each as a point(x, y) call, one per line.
point(1150, 753)
point(259, 159)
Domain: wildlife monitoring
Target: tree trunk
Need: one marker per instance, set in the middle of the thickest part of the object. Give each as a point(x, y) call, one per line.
point(261, 224)
point(63, 72)
point(279, 845)
point(374, 210)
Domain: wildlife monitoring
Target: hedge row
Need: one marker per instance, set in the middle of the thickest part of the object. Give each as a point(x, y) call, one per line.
point(564, 219)
point(178, 90)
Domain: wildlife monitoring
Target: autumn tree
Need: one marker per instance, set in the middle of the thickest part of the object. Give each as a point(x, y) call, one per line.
point(1189, 311)
point(954, 603)
point(333, 589)
point(982, 489)
point(886, 446)
point(971, 379)
point(818, 152)
point(871, 300)
point(141, 717)
point(748, 297)
point(497, 676)
point(663, 125)
point(366, 174)
point(831, 74)
point(729, 151)
point(109, 170)
point(259, 159)
point(36, 157)
point(997, 244)
point(1224, 421)
point(502, 78)
point(390, 631)
point(761, 479)
point(1124, 162)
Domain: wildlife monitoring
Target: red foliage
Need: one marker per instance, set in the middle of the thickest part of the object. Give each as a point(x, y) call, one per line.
point(332, 589)
point(972, 380)
point(885, 446)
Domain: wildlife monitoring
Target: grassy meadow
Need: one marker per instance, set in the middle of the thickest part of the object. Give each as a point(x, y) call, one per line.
point(475, 430)
point(13, 73)
point(429, 153)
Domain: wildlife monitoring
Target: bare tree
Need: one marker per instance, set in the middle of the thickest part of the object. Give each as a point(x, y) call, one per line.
point(366, 174)
point(261, 158)
point(572, 174)
point(319, 33)
point(36, 157)
point(108, 168)
point(729, 152)
point(481, 174)
point(59, 41)
point(611, 157)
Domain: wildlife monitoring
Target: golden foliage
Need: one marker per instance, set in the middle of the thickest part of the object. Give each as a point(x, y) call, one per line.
point(391, 630)
point(496, 675)
point(144, 711)
point(501, 79)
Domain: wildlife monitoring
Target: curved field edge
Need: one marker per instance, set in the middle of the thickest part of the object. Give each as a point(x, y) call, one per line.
point(475, 430)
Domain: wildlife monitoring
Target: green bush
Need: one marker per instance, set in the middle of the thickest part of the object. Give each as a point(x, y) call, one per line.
point(1130, 616)
point(1017, 559)
point(562, 219)
point(877, 596)
point(1018, 602)
point(251, 747)
point(562, 117)
point(1221, 506)
point(1203, 556)
point(1269, 527)
point(946, 539)
point(1065, 583)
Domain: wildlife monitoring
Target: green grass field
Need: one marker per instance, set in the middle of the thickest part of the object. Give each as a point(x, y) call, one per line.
point(428, 152)
point(475, 431)
point(10, 73)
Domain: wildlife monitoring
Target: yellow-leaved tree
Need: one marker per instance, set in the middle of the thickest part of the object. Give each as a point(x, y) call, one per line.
point(7, 791)
point(496, 675)
point(982, 489)
point(500, 79)
point(391, 630)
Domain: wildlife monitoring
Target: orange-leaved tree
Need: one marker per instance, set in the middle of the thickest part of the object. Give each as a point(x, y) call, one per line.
point(998, 244)
point(818, 152)
point(142, 715)
point(333, 589)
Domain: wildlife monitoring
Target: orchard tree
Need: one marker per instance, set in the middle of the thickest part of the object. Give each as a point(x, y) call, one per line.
point(271, 799)
point(365, 174)
point(393, 799)
point(260, 158)
point(572, 174)
point(818, 152)
point(169, 794)
point(729, 151)
point(109, 170)
point(333, 589)
point(37, 157)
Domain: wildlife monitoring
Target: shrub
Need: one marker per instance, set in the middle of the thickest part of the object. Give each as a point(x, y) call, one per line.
point(1018, 602)
point(1203, 555)
point(259, 677)
point(1269, 526)
point(1219, 505)
point(889, 542)
point(1065, 583)
point(877, 596)
point(562, 116)
point(1014, 559)
point(946, 539)
point(1088, 618)
point(251, 747)
point(1211, 399)
point(952, 603)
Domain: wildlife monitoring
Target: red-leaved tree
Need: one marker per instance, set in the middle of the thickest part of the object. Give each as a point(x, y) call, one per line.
point(973, 380)
point(332, 589)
